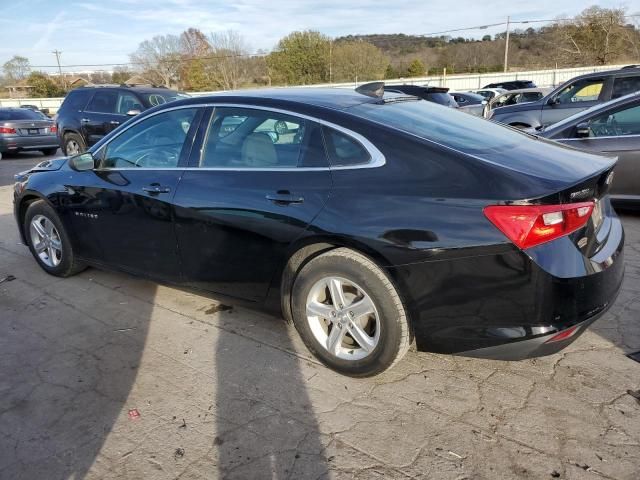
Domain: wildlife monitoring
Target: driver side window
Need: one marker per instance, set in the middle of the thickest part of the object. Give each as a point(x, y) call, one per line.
point(621, 123)
point(586, 90)
point(155, 142)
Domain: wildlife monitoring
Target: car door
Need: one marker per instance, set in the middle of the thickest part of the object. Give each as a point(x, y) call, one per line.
point(125, 202)
point(575, 97)
point(259, 179)
point(101, 115)
point(616, 132)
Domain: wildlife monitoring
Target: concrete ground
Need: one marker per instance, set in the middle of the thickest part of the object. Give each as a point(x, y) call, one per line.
point(105, 376)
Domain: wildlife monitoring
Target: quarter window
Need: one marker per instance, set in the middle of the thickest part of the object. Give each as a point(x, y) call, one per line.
point(104, 101)
point(155, 142)
point(343, 150)
point(252, 138)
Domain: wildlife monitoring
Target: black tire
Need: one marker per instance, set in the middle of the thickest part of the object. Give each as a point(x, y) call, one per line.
point(395, 332)
point(49, 151)
point(67, 144)
point(69, 264)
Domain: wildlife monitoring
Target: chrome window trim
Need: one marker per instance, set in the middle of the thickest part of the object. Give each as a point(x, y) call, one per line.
point(596, 138)
point(377, 157)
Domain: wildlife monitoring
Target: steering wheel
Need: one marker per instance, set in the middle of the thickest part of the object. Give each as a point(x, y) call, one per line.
point(162, 158)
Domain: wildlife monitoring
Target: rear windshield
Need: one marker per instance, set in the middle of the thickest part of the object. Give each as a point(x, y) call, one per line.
point(442, 99)
point(20, 114)
point(446, 126)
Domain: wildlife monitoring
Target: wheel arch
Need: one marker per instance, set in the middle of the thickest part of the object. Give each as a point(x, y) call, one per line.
point(303, 251)
point(25, 200)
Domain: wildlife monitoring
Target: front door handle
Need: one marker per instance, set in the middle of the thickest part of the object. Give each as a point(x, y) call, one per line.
point(85, 120)
point(155, 189)
point(114, 122)
point(284, 198)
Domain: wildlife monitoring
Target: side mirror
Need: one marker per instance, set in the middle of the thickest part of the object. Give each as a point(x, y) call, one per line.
point(484, 102)
point(583, 130)
point(133, 112)
point(82, 162)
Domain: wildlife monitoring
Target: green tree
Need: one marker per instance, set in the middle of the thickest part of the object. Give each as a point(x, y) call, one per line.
point(416, 68)
point(391, 72)
point(358, 61)
point(43, 86)
point(16, 69)
point(300, 58)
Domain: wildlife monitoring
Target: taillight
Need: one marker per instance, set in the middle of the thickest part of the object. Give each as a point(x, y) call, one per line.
point(7, 130)
point(530, 225)
point(53, 129)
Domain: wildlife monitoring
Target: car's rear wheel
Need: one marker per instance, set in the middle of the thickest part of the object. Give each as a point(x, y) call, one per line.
point(49, 242)
point(349, 314)
point(49, 151)
point(73, 144)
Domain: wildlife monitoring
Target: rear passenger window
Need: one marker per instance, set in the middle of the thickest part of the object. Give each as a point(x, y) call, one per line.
point(343, 150)
point(104, 101)
point(624, 86)
point(252, 138)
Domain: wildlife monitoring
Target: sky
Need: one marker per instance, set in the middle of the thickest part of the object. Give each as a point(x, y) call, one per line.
point(107, 31)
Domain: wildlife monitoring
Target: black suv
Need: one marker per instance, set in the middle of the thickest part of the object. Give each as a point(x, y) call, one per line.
point(88, 113)
point(571, 97)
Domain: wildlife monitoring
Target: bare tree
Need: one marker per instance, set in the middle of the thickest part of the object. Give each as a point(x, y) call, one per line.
point(160, 59)
point(17, 68)
point(228, 58)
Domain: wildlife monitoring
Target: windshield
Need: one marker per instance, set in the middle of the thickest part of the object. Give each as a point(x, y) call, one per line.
point(445, 126)
point(20, 114)
point(157, 98)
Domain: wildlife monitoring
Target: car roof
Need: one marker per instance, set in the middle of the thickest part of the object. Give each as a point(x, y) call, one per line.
point(135, 88)
point(628, 70)
point(334, 98)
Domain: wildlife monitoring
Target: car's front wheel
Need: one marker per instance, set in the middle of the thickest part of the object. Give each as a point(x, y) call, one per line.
point(349, 313)
point(49, 242)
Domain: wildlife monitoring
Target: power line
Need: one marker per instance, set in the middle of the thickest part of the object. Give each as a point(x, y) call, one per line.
point(263, 54)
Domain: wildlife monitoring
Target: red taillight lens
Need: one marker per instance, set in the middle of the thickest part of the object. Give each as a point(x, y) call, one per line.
point(53, 129)
point(530, 225)
point(7, 130)
point(563, 335)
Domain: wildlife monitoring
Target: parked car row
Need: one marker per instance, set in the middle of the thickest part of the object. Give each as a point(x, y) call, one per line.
point(370, 219)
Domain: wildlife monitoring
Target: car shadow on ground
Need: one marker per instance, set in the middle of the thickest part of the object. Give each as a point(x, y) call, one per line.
point(103, 376)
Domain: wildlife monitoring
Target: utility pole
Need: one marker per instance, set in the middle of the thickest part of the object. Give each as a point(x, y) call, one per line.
point(57, 53)
point(506, 47)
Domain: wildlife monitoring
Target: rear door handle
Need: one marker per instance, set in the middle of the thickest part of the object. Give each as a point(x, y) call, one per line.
point(155, 189)
point(114, 122)
point(85, 120)
point(282, 198)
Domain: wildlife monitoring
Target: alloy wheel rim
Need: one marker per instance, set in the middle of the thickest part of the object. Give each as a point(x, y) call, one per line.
point(46, 241)
point(72, 147)
point(343, 318)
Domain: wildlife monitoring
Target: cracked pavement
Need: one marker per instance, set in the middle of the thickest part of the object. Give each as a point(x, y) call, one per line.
point(231, 393)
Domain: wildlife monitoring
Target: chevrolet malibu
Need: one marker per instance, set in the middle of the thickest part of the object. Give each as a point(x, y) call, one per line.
point(370, 220)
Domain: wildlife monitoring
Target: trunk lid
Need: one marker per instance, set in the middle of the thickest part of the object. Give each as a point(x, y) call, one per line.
point(26, 128)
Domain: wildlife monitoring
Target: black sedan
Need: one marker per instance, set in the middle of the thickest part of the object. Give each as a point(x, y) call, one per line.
point(368, 219)
point(22, 129)
point(611, 128)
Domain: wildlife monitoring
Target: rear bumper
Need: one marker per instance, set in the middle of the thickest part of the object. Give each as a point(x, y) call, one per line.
point(35, 142)
point(508, 305)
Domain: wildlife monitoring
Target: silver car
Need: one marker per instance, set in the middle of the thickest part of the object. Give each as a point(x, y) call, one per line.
point(22, 129)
